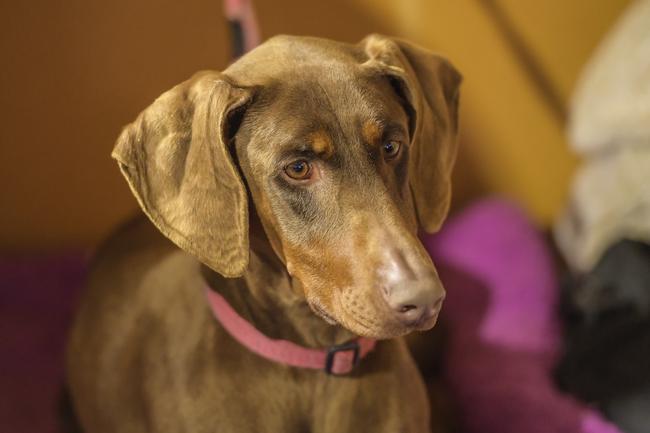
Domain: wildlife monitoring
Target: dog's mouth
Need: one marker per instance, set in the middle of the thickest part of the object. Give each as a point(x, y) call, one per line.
point(425, 323)
point(360, 325)
point(320, 311)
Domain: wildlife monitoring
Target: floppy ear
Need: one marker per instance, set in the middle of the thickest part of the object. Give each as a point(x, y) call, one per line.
point(429, 85)
point(176, 160)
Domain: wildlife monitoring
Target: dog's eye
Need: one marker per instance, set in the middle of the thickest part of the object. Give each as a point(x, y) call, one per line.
point(298, 170)
point(391, 149)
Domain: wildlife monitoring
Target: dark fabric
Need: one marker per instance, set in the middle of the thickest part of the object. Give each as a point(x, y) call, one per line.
point(607, 357)
point(236, 39)
point(619, 282)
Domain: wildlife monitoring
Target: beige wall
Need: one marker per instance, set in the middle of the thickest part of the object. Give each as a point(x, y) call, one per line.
point(74, 72)
point(513, 143)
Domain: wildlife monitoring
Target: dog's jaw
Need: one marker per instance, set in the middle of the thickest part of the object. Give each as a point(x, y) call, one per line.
point(320, 311)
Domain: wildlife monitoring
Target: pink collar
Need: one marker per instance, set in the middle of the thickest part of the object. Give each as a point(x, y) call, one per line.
point(336, 360)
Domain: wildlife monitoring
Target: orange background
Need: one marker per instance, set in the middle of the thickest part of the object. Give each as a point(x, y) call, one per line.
point(74, 73)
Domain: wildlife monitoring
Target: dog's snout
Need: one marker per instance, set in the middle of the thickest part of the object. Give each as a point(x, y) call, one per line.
point(411, 290)
point(415, 301)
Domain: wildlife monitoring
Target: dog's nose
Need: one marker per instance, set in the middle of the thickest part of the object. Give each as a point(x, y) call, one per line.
point(415, 301)
point(410, 284)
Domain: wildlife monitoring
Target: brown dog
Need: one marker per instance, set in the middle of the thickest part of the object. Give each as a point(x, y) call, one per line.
point(297, 177)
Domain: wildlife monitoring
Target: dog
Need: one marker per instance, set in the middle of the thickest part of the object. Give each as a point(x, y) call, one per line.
point(290, 189)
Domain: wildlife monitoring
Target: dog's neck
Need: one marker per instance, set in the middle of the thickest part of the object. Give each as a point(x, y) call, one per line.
point(272, 301)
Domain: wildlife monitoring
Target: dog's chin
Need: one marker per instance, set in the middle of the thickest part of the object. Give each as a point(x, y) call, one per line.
point(390, 328)
point(387, 330)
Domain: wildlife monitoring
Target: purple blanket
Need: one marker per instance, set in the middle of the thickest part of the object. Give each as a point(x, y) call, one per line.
point(500, 311)
point(504, 333)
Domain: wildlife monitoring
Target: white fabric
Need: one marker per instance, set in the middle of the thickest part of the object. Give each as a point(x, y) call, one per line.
point(611, 104)
point(610, 201)
point(610, 128)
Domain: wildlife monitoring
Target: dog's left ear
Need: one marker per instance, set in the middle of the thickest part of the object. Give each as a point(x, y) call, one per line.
point(429, 85)
point(177, 161)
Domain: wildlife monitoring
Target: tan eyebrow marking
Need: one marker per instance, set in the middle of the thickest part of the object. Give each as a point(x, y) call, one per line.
point(321, 143)
point(371, 131)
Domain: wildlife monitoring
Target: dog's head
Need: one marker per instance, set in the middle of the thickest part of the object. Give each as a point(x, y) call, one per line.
point(344, 149)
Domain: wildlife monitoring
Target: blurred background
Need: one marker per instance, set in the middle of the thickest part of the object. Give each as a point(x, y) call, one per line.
point(75, 72)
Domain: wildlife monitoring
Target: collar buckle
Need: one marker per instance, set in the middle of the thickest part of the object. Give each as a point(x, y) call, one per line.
point(345, 362)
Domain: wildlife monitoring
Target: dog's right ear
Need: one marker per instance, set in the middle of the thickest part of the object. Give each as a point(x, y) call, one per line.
point(429, 84)
point(176, 160)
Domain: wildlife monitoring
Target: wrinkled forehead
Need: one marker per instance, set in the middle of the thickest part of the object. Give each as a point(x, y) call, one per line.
point(328, 106)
